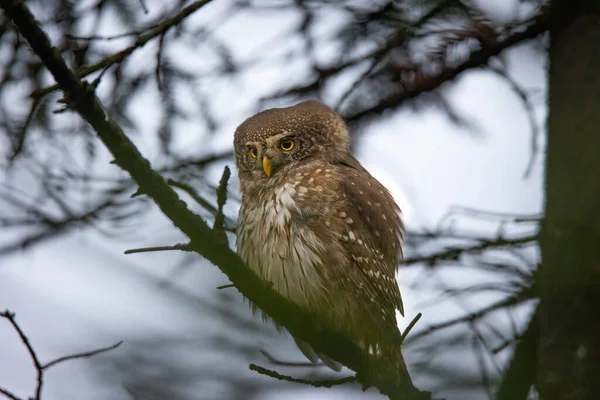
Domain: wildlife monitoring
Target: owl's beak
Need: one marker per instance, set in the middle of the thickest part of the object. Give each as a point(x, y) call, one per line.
point(266, 165)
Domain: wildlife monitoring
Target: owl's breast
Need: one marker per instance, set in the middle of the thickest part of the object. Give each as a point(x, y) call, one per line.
point(275, 243)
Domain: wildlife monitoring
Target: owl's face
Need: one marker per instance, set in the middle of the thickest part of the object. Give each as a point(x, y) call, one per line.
point(274, 141)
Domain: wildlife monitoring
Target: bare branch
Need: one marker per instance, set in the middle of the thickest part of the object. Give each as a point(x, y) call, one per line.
point(536, 131)
point(225, 287)
point(476, 59)
point(410, 326)
point(179, 246)
point(39, 367)
point(324, 383)
point(221, 199)
point(482, 244)
point(9, 394)
point(511, 301)
point(34, 358)
point(85, 354)
point(141, 40)
point(51, 227)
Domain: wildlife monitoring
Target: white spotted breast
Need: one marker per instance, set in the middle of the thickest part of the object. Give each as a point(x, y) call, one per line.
point(277, 247)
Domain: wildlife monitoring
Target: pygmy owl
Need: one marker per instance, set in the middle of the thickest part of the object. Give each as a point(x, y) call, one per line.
point(315, 224)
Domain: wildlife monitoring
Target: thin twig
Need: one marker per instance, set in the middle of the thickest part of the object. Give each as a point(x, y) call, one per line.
point(8, 394)
point(144, 6)
point(225, 286)
point(478, 349)
point(179, 246)
point(141, 40)
point(84, 354)
point(34, 358)
point(496, 215)
point(476, 59)
point(39, 367)
point(193, 194)
point(221, 200)
point(535, 129)
point(325, 383)
point(22, 131)
point(226, 223)
point(410, 326)
point(159, 63)
point(508, 302)
point(455, 252)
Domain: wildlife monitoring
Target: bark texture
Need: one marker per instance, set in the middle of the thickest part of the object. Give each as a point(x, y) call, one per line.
point(568, 354)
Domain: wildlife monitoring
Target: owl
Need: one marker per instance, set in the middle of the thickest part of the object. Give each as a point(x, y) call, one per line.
point(317, 226)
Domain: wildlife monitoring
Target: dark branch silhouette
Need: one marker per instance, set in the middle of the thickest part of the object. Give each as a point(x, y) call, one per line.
point(40, 368)
point(324, 383)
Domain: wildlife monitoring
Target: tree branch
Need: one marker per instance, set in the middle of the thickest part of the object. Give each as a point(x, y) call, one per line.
point(39, 367)
point(476, 59)
point(455, 252)
point(34, 358)
point(158, 30)
point(84, 354)
point(325, 383)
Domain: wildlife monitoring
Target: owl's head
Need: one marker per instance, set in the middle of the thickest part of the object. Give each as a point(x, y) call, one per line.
point(277, 140)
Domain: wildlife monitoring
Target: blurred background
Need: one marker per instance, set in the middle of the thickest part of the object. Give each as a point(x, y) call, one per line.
point(445, 101)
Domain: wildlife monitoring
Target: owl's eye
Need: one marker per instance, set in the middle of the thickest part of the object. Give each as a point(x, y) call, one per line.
point(253, 152)
point(287, 144)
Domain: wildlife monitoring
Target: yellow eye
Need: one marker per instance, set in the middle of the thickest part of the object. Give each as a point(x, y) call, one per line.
point(287, 144)
point(252, 152)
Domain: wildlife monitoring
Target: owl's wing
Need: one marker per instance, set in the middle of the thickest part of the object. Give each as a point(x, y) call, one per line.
point(375, 215)
point(356, 220)
point(376, 207)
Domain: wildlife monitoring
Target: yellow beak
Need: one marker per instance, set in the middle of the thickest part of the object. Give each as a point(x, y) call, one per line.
point(267, 166)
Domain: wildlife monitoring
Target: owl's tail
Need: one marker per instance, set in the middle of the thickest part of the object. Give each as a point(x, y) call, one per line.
point(392, 375)
point(396, 368)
